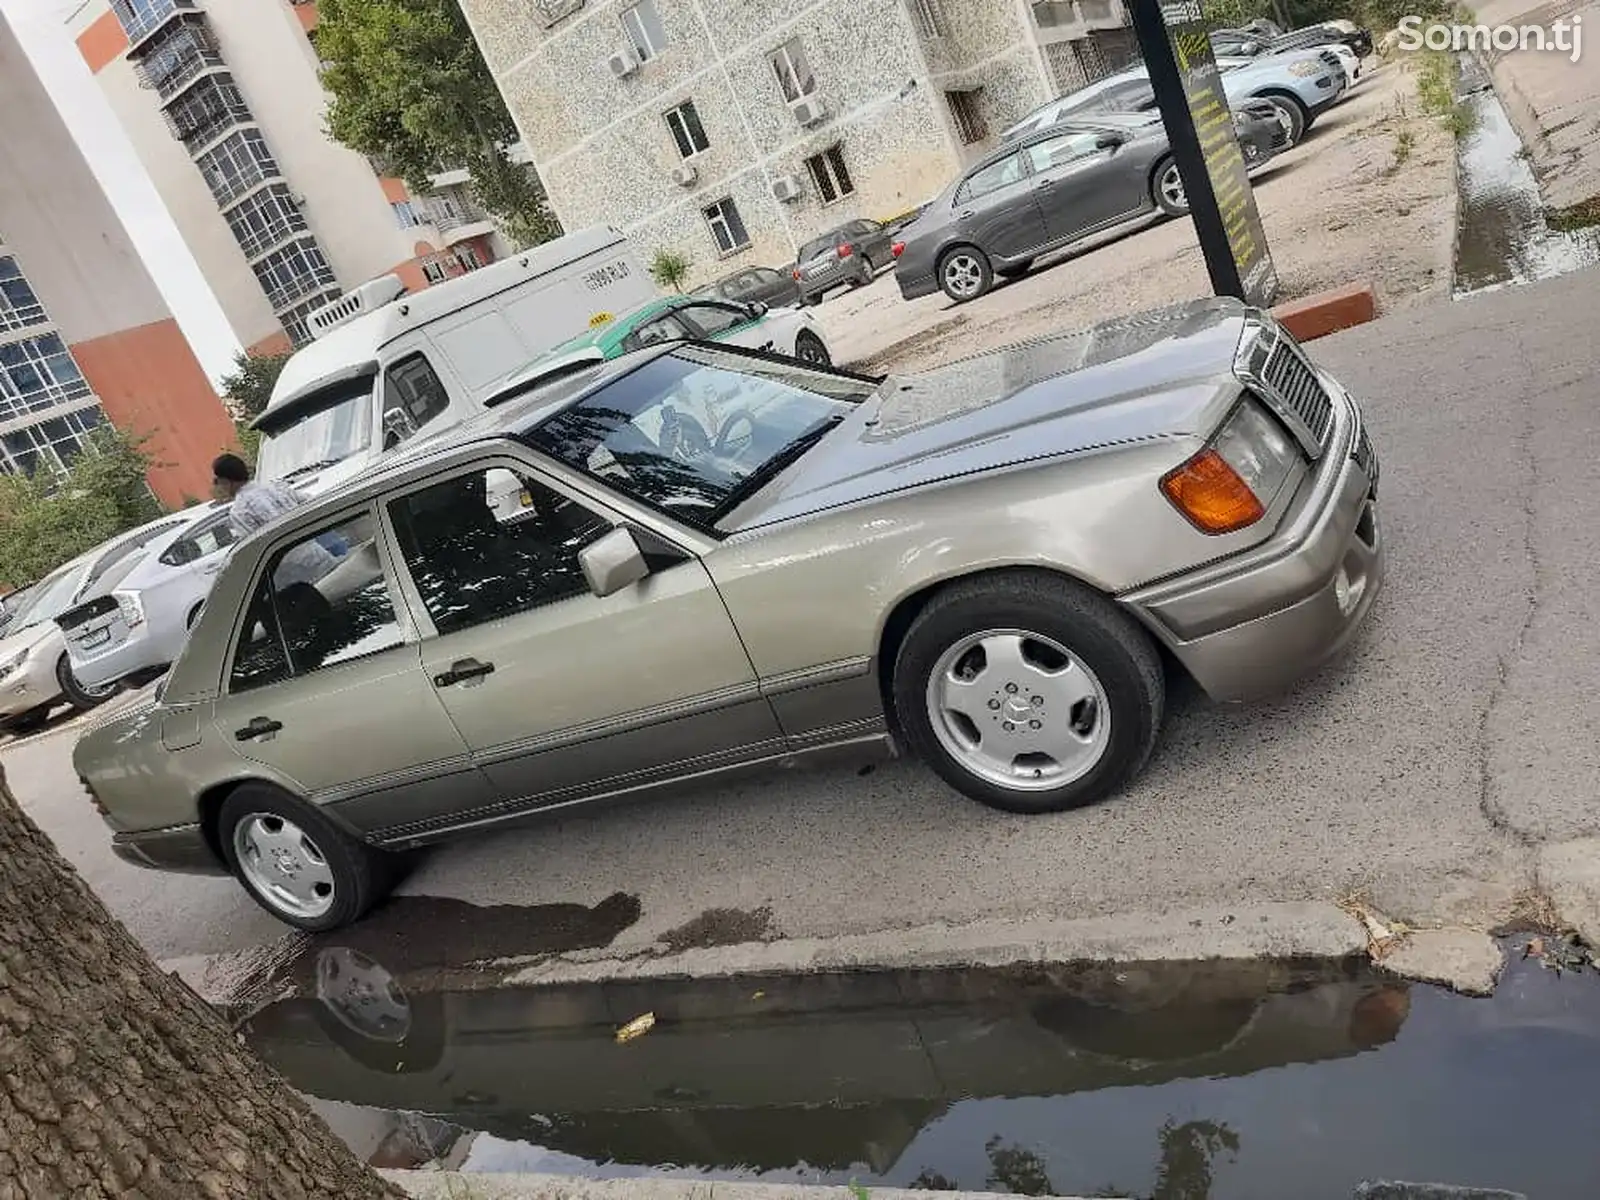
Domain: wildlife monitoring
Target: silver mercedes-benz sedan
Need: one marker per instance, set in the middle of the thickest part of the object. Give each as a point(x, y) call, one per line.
point(721, 560)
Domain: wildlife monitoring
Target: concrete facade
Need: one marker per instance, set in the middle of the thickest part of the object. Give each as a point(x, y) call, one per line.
point(226, 111)
point(85, 336)
point(908, 90)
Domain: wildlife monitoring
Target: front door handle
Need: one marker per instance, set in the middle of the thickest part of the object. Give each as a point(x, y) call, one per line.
point(966, 216)
point(463, 670)
point(259, 727)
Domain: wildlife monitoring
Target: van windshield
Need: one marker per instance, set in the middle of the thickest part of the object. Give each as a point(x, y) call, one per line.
point(318, 432)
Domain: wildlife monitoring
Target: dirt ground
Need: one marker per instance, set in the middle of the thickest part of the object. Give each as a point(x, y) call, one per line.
point(1358, 199)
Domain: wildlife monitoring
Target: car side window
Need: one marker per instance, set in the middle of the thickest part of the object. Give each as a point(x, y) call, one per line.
point(712, 319)
point(413, 395)
point(201, 542)
point(665, 328)
point(1058, 151)
point(864, 228)
point(491, 543)
point(991, 178)
point(322, 601)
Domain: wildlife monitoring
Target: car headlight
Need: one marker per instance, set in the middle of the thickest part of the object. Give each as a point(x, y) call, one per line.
point(1230, 483)
point(1306, 69)
point(131, 607)
point(14, 663)
point(1239, 121)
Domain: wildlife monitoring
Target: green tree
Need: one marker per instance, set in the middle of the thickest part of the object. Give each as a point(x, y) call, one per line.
point(669, 269)
point(1188, 1152)
point(411, 89)
point(247, 388)
point(50, 517)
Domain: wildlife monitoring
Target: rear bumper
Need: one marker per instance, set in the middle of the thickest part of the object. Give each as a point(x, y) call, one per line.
point(1252, 625)
point(133, 655)
point(181, 848)
point(914, 286)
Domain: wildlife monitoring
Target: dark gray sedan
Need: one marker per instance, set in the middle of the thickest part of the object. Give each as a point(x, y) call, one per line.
point(1047, 190)
point(848, 256)
point(775, 289)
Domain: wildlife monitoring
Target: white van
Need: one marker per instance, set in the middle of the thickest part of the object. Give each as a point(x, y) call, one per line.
point(384, 364)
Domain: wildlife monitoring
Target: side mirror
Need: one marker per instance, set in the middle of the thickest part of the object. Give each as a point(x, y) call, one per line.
point(758, 309)
point(613, 562)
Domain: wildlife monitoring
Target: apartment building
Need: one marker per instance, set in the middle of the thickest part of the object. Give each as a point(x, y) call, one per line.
point(85, 336)
point(224, 106)
point(734, 130)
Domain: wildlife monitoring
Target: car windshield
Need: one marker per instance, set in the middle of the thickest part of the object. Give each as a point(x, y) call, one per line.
point(815, 247)
point(695, 432)
point(337, 424)
point(51, 598)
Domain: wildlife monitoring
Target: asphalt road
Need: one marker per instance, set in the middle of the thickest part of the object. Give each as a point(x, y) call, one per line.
point(1425, 768)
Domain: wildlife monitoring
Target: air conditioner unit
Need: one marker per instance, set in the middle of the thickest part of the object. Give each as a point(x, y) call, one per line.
point(786, 188)
point(808, 110)
point(623, 63)
point(685, 174)
point(369, 297)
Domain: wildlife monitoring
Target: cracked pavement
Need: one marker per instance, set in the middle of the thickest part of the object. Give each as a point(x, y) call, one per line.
point(1439, 769)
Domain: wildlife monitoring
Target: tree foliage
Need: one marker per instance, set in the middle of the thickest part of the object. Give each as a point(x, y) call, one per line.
point(669, 269)
point(411, 88)
point(247, 388)
point(51, 517)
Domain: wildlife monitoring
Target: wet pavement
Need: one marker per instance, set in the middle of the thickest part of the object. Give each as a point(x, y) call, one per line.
point(1204, 1081)
point(1504, 235)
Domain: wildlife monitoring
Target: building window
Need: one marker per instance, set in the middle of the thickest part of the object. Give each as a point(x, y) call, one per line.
point(794, 72)
point(265, 219)
point(18, 305)
point(53, 443)
point(237, 164)
point(37, 373)
point(968, 115)
point(928, 17)
point(830, 175)
point(206, 109)
point(727, 226)
point(469, 258)
point(176, 59)
point(687, 131)
point(406, 215)
point(139, 17)
point(644, 28)
point(293, 272)
point(433, 270)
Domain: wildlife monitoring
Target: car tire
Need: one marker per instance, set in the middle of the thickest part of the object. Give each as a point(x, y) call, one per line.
point(1166, 188)
point(24, 724)
point(809, 349)
point(80, 697)
point(259, 822)
point(1292, 115)
point(1091, 725)
point(1015, 270)
point(965, 273)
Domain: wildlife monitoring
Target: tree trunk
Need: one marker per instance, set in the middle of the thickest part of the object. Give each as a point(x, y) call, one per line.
point(116, 1080)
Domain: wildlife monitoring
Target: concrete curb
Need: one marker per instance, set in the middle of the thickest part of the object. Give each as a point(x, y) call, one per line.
point(455, 1185)
point(1328, 312)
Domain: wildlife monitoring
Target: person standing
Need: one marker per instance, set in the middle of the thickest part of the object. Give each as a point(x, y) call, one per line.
point(258, 502)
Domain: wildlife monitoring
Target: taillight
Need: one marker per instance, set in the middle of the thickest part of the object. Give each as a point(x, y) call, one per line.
point(846, 250)
point(797, 273)
point(897, 249)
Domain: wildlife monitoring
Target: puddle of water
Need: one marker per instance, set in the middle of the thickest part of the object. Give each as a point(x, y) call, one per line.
point(1503, 237)
point(1252, 1081)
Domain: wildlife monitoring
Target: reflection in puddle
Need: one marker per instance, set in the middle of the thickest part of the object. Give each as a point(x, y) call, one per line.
point(1202, 1081)
point(1503, 237)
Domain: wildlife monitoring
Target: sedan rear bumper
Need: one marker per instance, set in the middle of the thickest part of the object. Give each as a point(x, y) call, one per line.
point(180, 848)
point(1250, 627)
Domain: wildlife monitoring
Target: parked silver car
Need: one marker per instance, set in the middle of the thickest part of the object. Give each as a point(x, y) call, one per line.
point(1048, 189)
point(984, 564)
point(131, 633)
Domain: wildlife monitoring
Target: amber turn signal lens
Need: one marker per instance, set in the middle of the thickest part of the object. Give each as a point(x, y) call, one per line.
point(1210, 493)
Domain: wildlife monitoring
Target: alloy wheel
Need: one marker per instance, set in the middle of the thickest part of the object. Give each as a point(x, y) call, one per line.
point(284, 865)
point(963, 274)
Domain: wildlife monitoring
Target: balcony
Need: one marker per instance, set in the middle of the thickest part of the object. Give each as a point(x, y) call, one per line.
point(178, 58)
point(206, 111)
point(142, 18)
point(1068, 20)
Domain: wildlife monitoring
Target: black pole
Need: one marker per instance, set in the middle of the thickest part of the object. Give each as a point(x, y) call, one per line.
point(1199, 124)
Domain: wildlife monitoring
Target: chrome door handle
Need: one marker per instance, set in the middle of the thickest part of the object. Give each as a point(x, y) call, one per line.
point(966, 216)
point(464, 670)
point(258, 727)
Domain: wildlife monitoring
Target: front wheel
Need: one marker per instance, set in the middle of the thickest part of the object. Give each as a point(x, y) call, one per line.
point(295, 862)
point(1292, 117)
point(1029, 692)
point(81, 696)
point(965, 274)
point(1166, 189)
point(808, 348)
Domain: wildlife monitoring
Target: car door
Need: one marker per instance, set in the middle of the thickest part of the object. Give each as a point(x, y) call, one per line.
point(735, 324)
point(325, 687)
point(996, 211)
point(560, 693)
point(1079, 181)
point(771, 287)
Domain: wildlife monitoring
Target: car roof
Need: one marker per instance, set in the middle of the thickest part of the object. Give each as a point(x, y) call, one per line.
point(608, 337)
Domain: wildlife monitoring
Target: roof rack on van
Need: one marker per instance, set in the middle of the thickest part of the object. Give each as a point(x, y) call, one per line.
point(367, 298)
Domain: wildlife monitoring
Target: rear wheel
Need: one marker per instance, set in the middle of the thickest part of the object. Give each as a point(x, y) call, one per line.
point(1166, 189)
point(23, 724)
point(965, 273)
point(1029, 692)
point(808, 348)
point(78, 695)
point(296, 863)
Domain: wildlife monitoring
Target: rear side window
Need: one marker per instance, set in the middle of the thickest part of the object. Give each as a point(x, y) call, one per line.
point(412, 396)
point(204, 541)
point(817, 246)
point(992, 178)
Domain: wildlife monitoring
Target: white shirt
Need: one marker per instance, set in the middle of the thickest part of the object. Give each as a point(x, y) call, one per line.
point(261, 502)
